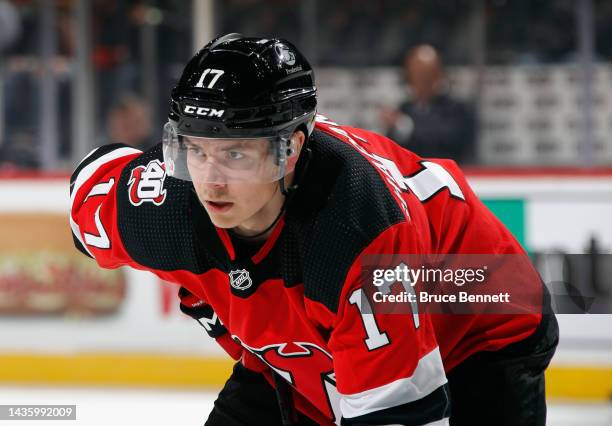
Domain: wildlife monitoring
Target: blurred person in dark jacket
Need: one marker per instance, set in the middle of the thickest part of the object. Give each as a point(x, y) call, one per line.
point(129, 122)
point(430, 122)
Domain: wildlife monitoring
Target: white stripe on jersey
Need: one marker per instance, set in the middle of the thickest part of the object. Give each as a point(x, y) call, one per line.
point(88, 172)
point(442, 422)
point(76, 231)
point(427, 377)
point(92, 167)
point(87, 156)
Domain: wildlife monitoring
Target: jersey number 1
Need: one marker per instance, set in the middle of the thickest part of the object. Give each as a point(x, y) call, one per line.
point(375, 338)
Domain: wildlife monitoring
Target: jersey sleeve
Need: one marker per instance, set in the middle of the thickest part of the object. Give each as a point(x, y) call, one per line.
point(204, 314)
point(388, 365)
point(93, 205)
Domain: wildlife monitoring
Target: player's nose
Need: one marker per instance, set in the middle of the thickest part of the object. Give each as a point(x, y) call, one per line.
point(215, 190)
point(211, 175)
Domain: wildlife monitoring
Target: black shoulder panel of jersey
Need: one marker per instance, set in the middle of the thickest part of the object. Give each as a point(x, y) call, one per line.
point(171, 235)
point(342, 205)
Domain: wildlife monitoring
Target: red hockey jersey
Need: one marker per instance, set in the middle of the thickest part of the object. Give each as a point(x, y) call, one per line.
point(296, 305)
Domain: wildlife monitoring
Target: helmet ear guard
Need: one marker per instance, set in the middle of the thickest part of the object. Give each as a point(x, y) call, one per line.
point(289, 148)
point(292, 155)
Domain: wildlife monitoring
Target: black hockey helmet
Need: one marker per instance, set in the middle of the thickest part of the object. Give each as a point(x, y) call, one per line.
point(240, 89)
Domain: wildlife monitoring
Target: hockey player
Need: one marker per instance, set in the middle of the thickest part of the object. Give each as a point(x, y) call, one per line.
point(263, 212)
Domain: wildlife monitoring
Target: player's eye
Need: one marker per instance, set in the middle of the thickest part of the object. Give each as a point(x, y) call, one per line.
point(195, 150)
point(235, 155)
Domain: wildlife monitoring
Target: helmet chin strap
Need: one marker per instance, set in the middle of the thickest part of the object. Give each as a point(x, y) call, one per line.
point(268, 228)
point(288, 192)
point(259, 234)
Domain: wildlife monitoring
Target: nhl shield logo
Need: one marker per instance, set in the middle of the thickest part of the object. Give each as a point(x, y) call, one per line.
point(240, 279)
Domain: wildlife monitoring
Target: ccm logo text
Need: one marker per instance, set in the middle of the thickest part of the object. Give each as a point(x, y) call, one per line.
point(203, 111)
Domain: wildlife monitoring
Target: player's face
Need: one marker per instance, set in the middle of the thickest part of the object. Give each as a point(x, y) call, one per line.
point(244, 205)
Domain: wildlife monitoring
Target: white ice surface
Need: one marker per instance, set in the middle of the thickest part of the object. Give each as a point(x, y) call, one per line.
point(118, 407)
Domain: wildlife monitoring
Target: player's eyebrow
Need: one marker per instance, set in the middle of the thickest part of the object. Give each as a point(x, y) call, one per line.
point(190, 144)
point(238, 144)
point(228, 144)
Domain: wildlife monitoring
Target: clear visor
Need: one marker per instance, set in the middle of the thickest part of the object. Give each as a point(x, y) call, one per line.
point(221, 161)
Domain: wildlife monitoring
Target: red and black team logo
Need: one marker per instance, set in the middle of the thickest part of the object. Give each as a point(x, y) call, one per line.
point(147, 184)
point(308, 367)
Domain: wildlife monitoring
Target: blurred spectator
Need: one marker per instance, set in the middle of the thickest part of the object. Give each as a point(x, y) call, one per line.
point(129, 122)
point(10, 24)
point(21, 75)
point(431, 123)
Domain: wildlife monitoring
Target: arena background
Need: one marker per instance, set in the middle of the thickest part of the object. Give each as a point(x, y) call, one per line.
point(79, 73)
